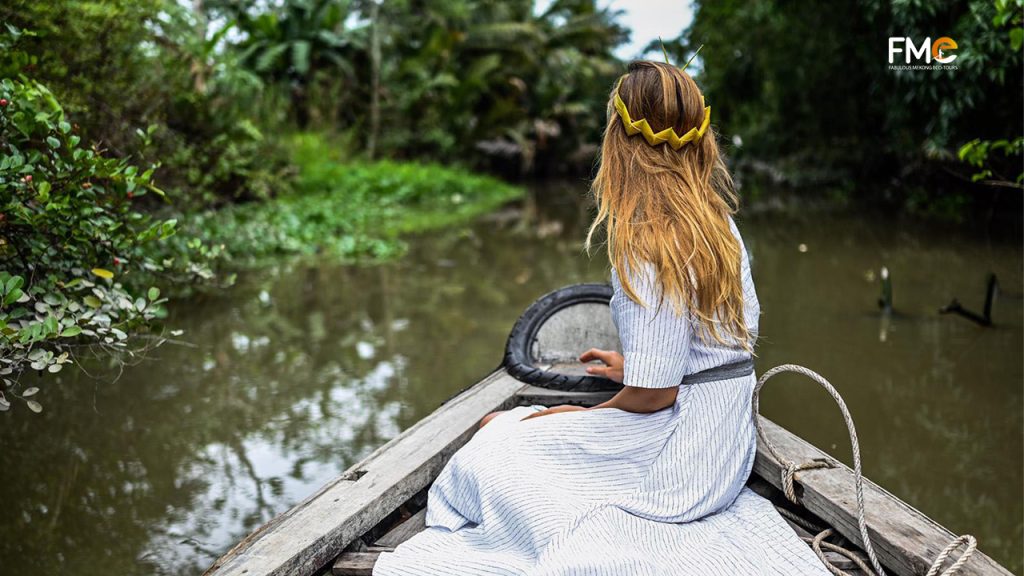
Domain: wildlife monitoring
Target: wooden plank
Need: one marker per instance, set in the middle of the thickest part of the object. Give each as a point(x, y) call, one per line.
point(835, 558)
point(358, 563)
point(355, 564)
point(905, 540)
point(310, 535)
point(573, 329)
point(412, 526)
point(546, 397)
point(396, 517)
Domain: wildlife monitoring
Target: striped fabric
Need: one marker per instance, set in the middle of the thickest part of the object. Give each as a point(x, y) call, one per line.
point(608, 492)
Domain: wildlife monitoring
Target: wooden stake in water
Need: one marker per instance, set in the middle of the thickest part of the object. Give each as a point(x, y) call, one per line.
point(983, 319)
point(885, 300)
point(885, 303)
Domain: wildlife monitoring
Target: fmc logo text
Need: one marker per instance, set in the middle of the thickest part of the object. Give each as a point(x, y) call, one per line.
point(927, 55)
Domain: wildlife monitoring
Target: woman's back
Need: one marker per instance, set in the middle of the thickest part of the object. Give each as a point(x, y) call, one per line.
point(676, 342)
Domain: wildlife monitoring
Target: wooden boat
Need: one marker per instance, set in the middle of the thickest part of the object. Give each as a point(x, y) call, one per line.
point(381, 502)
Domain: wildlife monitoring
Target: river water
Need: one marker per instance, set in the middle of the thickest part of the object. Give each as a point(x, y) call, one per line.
point(305, 367)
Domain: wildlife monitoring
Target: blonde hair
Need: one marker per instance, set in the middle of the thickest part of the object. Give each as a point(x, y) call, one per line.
point(671, 208)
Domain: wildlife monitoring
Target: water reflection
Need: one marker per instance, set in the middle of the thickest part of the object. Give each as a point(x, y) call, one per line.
point(304, 369)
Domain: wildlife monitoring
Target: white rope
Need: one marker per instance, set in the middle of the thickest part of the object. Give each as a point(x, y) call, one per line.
point(818, 542)
point(972, 545)
point(790, 468)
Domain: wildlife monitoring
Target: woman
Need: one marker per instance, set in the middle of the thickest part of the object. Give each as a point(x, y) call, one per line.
point(652, 481)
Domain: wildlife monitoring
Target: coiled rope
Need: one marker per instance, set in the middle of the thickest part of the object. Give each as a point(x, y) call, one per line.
point(790, 468)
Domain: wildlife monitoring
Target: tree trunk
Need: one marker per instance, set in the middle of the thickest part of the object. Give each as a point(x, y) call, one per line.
point(300, 105)
point(371, 144)
point(197, 66)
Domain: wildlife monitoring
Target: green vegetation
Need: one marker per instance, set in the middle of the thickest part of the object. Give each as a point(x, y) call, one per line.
point(122, 65)
point(148, 143)
point(70, 233)
point(351, 210)
point(492, 83)
point(811, 92)
point(78, 253)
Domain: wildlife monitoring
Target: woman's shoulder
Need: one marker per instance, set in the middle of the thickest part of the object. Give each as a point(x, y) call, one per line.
point(734, 227)
point(642, 278)
point(641, 274)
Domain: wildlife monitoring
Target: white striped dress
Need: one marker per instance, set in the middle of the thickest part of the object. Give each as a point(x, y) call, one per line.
point(609, 492)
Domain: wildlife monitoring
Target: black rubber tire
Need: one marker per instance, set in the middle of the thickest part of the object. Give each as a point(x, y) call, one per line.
point(518, 361)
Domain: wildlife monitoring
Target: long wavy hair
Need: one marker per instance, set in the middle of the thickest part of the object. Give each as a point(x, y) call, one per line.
point(670, 208)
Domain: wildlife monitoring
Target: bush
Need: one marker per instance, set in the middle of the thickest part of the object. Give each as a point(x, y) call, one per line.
point(74, 250)
point(350, 210)
point(121, 64)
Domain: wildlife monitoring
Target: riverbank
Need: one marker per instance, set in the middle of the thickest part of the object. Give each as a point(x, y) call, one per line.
point(105, 295)
point(350, 210)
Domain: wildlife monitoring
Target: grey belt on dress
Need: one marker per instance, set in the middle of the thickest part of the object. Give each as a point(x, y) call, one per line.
point(736, 369)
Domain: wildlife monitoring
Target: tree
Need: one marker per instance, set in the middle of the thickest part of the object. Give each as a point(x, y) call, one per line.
point(811, 88)
point(467, 77)
point(290, 45)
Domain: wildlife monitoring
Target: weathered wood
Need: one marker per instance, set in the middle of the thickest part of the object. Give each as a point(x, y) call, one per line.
point(547, 397)
point(310, 535)
point(411, 527)
point(355, 564)
point(358, 563)
point(835, 558)
point(574, 329)
point(905, 540)
point(399, 515)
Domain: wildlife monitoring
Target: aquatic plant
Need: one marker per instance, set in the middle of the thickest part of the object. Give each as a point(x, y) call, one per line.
point(350, 210)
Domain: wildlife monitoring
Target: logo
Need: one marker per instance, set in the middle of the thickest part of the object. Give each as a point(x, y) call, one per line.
point(927, 55)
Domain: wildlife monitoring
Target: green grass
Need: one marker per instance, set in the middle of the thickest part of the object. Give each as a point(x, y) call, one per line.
point(351, 210)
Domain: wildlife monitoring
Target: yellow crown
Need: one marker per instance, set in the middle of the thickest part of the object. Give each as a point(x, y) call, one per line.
point(668, 134)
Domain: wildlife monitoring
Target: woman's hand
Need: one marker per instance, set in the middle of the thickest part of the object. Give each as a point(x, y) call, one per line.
point(555, 410)
point(630, 398)
point(613, 363)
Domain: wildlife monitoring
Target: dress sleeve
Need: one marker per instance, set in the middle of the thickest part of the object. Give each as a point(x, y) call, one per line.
point(655, 341)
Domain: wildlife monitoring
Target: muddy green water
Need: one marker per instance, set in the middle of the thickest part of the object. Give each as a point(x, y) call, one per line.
point(303, 369)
